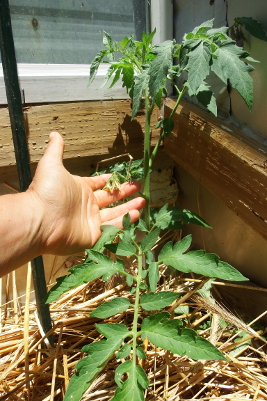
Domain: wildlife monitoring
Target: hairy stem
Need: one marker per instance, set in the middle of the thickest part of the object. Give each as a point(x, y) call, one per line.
point(179, 98)
point(136, 306)
point(146, 192)
point(155, 150)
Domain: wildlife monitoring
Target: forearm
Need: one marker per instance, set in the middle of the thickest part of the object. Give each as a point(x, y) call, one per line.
point(20, 239)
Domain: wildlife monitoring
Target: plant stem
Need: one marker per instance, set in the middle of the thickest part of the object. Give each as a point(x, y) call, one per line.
point(155, 150)
point(179, 98)
point(146, 192)
point(136, 306)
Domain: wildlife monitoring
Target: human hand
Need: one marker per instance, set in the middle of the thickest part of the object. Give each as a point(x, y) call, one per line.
point(70, 206)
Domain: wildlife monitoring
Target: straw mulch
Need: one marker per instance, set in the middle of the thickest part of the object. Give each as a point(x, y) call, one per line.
point(32, 370)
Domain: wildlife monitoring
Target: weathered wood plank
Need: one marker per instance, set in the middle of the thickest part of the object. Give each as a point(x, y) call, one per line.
point(217, 155)
point(89, 129)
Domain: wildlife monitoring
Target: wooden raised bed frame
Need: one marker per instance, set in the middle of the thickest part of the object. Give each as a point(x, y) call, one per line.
point(215, 153)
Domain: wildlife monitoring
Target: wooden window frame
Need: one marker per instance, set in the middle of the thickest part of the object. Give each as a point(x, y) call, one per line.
point(54, 83)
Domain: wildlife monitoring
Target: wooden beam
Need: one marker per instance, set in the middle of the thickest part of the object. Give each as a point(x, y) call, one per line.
point(219, 157)
point(90, 128)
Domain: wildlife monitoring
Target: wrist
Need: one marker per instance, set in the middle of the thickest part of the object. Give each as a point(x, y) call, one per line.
point(37, 220)
point(20, 230)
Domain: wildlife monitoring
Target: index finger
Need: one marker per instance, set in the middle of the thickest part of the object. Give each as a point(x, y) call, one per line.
point(105, 198)
point(98, 181)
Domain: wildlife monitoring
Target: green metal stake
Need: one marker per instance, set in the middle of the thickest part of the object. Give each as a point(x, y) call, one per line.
point(20, 145)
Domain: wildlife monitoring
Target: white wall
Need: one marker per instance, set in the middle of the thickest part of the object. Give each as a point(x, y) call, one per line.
point(230, 238)
point(256, 120)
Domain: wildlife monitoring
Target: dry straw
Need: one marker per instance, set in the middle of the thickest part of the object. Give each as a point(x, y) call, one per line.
point(33, 373)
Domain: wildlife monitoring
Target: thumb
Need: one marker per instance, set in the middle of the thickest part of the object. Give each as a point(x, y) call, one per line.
point(55, 149)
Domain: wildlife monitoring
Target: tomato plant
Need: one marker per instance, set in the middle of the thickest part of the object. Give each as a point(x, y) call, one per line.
point(144, 69)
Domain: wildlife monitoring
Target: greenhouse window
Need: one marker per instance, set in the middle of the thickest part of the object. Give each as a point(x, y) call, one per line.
point(56, 41)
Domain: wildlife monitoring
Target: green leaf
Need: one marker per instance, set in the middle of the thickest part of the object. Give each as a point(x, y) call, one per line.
point(147, 39)
point(124, 351)
point(83, 274)
point(129, 280)
point(141, 225)
point(253, 27)
point(110, 330)
point(141, 376)
point(229, 271)
point(188, 45)
point(124, 42)
point(105, 261)
point(221, 32)
point(149, 240)
point(121, 248)
point(120, 371)
point(240, 347)
point(165, 218)
point(153, 275)
point(160, 66)
point(111, 308)
point(149, 257)
point(95, 65)
point(132, 388)
point(170, 218)
point(168, 125)
point(169, 336)
point(144, 273)
point(158, 300)
point(179, 247)
point(205, 291)
point(143, 286)
point(140, 353)
point(198, 66)
point(137, 169)
point(88, 367)
point(109, 232)
point(128, 236)
point(252, 60)
point(188, 217)
point(112, 70)
point(206, 98)
point(153, 320)
point(227, 65)
point(126, 221)
point(127, 72)
point(203, 27)
point(107, 41)
point(117, 74)
point(161, 93)
point(141, 83)
point(199, 262)
point(181, 310)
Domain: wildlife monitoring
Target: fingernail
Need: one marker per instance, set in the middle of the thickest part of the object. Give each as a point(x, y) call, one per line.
point(52, 135)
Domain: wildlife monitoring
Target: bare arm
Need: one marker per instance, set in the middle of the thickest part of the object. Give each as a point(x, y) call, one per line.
point(60, 213)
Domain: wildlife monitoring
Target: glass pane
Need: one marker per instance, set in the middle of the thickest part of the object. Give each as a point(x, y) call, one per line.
point(70, 31)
